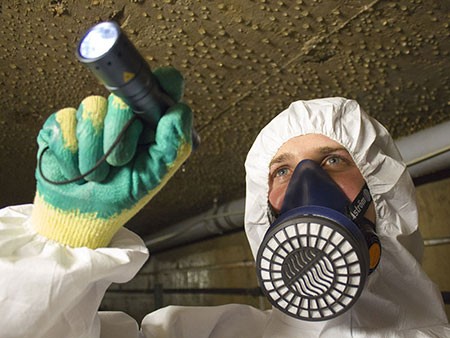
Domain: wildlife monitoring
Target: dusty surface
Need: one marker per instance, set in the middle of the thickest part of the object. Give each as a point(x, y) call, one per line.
point(244, 61)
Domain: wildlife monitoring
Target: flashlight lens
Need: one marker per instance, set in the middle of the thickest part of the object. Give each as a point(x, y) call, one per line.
point(98, 40)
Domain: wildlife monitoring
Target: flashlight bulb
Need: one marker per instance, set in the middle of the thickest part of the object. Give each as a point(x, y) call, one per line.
point(98, 40)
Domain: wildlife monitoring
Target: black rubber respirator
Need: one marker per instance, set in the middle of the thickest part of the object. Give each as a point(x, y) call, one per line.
point(315, 257)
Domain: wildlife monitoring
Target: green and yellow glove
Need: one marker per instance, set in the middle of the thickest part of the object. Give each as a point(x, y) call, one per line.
point(89, 211)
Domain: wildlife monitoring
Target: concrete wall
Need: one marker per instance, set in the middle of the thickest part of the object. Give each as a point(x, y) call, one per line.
point(434, 215)
point(226, 263)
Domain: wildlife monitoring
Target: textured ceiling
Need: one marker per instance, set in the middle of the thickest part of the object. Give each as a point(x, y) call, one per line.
point(244, 61)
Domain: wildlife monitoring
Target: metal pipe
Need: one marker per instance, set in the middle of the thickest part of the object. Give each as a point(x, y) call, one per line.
point(256, 291)
point(436, 241)
point(426, 151)
point(216, 221)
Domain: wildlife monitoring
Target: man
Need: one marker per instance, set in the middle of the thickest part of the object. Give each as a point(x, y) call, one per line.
point(59, 256)
point(398, 299)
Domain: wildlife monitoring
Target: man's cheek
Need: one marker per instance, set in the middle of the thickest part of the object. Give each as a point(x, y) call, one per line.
point(350, 183)
point(276, 197)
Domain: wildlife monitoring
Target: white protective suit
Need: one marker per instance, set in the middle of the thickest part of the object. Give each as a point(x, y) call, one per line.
point(53, 291)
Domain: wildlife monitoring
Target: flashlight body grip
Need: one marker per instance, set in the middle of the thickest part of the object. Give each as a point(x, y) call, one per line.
point(124, 72)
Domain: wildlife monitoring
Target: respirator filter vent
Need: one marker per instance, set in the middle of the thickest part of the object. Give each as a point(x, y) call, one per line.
point(311, 267)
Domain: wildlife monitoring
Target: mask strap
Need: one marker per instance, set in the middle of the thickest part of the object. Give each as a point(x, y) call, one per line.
point(272, 215)
point(360, 204)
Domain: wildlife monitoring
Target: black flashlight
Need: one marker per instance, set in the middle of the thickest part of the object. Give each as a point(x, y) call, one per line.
point(115, 61)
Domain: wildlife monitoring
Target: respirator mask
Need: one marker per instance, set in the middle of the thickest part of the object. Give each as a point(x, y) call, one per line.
point(315, 257)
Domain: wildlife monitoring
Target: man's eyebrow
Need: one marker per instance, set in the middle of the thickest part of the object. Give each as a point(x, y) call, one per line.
point(329, 150)
point(286, 157)
point(283, 157)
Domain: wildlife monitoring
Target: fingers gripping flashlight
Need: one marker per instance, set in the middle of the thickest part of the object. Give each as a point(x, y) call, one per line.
point(114, 60)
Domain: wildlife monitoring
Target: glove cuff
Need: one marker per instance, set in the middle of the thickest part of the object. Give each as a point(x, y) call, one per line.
point(72, 227)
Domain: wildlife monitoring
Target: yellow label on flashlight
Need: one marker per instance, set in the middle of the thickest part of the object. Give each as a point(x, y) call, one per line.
point(128, 76)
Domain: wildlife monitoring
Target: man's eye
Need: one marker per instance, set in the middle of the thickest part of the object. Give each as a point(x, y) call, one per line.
point(281, 172)
point(336, 162)
point(333, 160)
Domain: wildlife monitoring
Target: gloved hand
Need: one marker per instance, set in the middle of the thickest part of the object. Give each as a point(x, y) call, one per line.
point(90, 211)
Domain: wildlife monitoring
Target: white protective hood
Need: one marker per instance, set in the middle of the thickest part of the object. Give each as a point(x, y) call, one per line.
point(398, 297)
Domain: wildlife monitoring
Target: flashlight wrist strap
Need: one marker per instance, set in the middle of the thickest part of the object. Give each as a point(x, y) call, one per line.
point(75, 228)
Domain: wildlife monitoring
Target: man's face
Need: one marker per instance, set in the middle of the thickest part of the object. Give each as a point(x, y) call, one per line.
point(333, 158)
